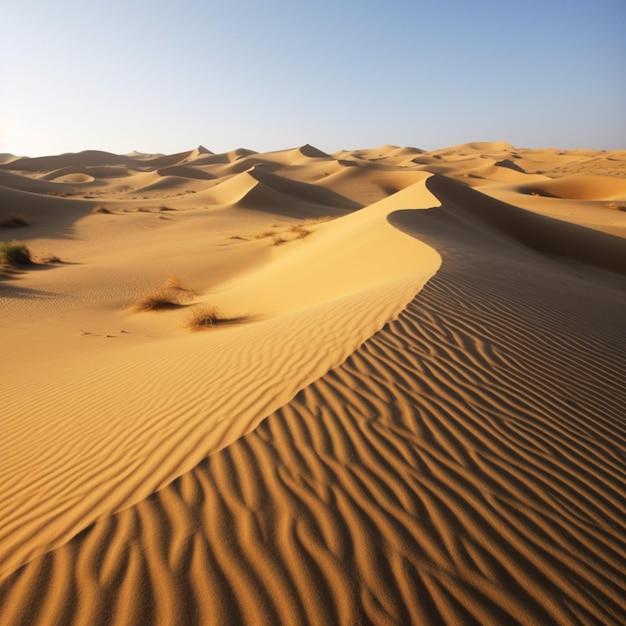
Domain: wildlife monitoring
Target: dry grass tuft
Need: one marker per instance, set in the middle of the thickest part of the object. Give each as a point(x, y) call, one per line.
point(300, 231)
point(278, 240)
point(50, 259)
point(174, 282)
point(159, 300)
point(101, 209)
point(14, 254)
point(171, 296)
point(206, 317)
point(319, 220)
point(14, 220)
point(263, 234)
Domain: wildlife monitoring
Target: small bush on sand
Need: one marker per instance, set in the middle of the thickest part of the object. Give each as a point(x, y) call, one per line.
point(101, 209)
point(171, 296)
point(174, 282)
point(300, 231)
point(50, 259)
point(14, 220)
point(14, 253)
point(277, 240)
point(206, 317)
point(158, 301)
point(263, 234)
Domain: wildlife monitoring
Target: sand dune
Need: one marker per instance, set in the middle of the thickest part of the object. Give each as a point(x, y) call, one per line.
point(581, 187)
point(186, 171)
point(413, 413)
point(81, 159)
point(545, 234)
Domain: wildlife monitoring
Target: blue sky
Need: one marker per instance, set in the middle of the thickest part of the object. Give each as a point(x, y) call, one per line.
point(160, 76)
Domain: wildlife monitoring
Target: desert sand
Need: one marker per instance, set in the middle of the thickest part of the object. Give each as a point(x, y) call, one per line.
point(381, 386)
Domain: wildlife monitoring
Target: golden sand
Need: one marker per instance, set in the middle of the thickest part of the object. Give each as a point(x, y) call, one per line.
point(406, 407)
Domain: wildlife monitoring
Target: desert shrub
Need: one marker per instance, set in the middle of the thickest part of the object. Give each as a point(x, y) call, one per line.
point(174, 282)
point(14, 220)
point(172, 295)
point(50, 259)
point(14, 253)
point(263, 234)
point(158, 300)
point(300, 231)
point(101, 209)
point(277, 240)
point(206, 317)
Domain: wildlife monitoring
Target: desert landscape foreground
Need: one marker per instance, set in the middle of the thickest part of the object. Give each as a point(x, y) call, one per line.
point(381, 386)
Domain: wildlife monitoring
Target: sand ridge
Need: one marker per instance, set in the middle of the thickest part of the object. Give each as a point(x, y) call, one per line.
point(414, 415)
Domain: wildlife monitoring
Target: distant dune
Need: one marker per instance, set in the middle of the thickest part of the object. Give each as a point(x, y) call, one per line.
point(381, 386)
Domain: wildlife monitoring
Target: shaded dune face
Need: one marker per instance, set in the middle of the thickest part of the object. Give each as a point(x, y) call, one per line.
point(472, 210)
point(415, 416)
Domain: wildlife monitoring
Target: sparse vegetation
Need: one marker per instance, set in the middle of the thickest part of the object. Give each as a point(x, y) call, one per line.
point(206, 317)
point(319, 220)
point(300, 231)
point(174, 282)
point(287, 232)
point(263, 234)
point(14, 220)
point(14, 254)
point(159, 300)
point(101, 209)
point(171, 296)
point(50, 259)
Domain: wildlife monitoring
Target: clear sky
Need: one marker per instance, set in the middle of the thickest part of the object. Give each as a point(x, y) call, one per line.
point(165, 76)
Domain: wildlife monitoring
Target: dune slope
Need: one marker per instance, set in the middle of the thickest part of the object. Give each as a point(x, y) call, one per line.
point(367, 450)
point(465, 465)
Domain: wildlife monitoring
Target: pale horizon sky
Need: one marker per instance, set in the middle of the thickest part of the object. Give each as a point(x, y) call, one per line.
point(165, 77)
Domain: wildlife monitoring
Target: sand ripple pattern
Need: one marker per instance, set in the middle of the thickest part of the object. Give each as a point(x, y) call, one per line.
point(464, 466)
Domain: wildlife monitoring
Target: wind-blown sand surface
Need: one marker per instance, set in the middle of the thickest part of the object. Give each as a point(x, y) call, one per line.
point(415, 412)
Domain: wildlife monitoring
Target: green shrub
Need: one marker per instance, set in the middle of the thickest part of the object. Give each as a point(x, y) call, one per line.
point(14, 253)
